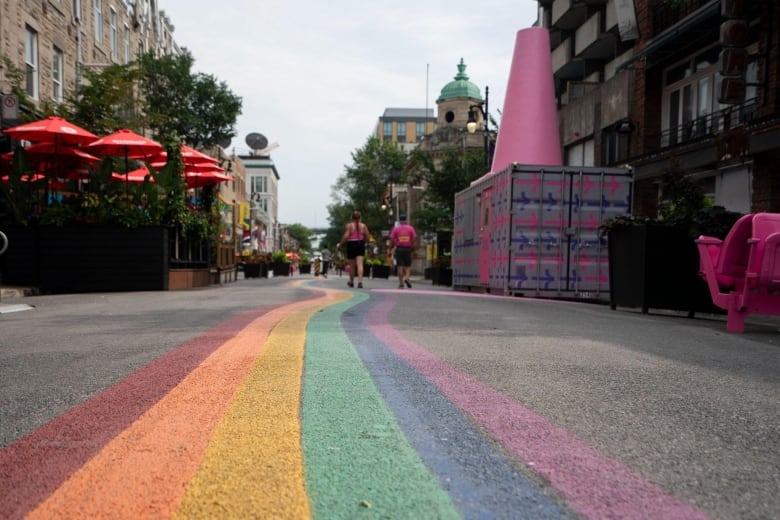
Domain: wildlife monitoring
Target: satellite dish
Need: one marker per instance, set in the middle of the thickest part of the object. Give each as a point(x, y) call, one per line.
point(256, 141)
point(224, 143)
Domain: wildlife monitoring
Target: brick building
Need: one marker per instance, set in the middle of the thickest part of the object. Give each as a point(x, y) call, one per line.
point(645, 84)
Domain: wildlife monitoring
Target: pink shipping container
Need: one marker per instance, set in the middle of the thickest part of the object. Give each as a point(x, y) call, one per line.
point(533, 231)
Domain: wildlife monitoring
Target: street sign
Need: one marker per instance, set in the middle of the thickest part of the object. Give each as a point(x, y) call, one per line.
point(10, 107)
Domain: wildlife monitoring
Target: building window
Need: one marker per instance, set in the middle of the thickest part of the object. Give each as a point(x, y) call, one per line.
point(56, 75)
point(31, 62)
point(127, 44)
point(580, 154)
point(387, 130)
point(260, 184)
point(114, 34)
point(401, 131)
point(419, 131)
point(98, 21)
point(690, 102)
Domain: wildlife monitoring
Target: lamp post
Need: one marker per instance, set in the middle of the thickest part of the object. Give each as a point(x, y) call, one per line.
point(471, 126)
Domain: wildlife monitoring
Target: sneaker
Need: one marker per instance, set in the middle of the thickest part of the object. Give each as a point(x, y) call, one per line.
point(350, 284)
point(360, 285)
point(400, 286)
point(408, 284)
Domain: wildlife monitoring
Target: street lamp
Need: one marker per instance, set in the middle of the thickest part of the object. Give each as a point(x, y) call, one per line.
point(471, 126)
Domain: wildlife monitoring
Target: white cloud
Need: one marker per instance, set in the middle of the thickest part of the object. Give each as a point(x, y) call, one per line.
point(315, 76)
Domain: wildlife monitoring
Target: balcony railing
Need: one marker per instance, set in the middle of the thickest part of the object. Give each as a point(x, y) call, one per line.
point(708, 126)
point(667, 13)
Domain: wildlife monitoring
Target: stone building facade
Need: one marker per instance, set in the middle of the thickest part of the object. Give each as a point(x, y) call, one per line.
point(51, 42)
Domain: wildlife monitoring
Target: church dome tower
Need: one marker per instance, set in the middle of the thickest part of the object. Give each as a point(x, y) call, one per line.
point(455, 99)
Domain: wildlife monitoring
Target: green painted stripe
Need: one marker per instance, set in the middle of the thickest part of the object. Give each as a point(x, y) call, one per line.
point(357, 460)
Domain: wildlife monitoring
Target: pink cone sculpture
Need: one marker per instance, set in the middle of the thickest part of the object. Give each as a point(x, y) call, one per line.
point(529, 122)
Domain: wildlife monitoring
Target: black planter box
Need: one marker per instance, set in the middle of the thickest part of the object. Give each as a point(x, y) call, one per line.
point(441, 276)
point(305, 268)
point(281, 269)
point(655, 266)
point(255, 270)
point(19, 264)
point(380, 271)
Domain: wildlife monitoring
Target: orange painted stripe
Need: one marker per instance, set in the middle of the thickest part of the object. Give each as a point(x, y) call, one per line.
point(143, 472)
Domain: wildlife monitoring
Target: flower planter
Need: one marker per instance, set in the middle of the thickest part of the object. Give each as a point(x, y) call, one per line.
point(305, 268)
point(281, 269)
point(19, 263)
point(655, 266)
point(98, 258)
point(380, 271)
point(253, 270)
point(441, 276)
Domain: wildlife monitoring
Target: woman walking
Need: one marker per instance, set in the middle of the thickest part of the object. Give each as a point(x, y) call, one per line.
point(355, 235)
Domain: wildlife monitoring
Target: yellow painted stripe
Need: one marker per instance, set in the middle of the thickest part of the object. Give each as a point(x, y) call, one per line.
point(142, 473)
point(253, 467)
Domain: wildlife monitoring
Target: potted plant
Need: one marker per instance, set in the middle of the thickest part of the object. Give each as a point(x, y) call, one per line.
point(441, 272)
point(280, 263)
point(653, 261)
point(254, 263)
point(304, 264)
point(379, 268)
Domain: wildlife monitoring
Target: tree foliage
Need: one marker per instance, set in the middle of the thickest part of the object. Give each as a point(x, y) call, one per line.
point(301, 234)
point(160, 94)
point(456, 171)
point(106, 100)
point(362, 186)
point(196, 107)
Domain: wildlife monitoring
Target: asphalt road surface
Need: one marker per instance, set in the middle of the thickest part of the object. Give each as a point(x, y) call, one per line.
point(302, 398)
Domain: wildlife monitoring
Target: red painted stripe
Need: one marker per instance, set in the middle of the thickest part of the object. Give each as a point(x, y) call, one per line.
point(34, 466)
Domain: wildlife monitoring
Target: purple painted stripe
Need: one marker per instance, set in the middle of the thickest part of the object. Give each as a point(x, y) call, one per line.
point(590, 481)
point(35, 465)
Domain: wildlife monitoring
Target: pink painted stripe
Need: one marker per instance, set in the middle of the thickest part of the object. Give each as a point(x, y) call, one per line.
point(590, 481)
point(35, 465)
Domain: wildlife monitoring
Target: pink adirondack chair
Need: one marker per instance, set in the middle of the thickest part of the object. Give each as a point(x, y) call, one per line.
point(743, 270)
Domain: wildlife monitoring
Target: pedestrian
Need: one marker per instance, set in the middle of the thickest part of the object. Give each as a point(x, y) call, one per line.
point(356, 236)
point(325, 255)
point(402, 237)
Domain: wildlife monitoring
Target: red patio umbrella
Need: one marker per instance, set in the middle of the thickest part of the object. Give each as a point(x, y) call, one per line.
point(25, 178)
point(189, 155)
point(52, 130)
point(201, 179)
point(138, 175)
point(125, 143)
point(48, 150)
point(202, 167)
point(55, 130)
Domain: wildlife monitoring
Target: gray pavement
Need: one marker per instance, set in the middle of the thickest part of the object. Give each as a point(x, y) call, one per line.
point(691, 408)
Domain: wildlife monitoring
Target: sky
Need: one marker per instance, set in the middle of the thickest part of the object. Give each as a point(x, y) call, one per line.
point(314, 76)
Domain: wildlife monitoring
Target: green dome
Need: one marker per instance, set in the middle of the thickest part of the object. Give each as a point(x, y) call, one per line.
point(461, 87)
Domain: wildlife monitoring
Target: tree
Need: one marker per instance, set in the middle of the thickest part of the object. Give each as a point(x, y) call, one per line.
point(105, 101)
point(374, 166)
point(455, 173)
point(196, 108)
point(300, 234)
point(158, 93)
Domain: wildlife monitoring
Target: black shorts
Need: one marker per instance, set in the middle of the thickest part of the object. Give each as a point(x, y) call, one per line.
point(355, 248)
point(403, 256)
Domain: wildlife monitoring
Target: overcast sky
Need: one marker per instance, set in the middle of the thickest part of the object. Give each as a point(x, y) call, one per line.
point(315, 75)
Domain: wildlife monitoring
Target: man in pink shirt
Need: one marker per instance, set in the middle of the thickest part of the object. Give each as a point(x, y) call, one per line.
point(403, 237)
